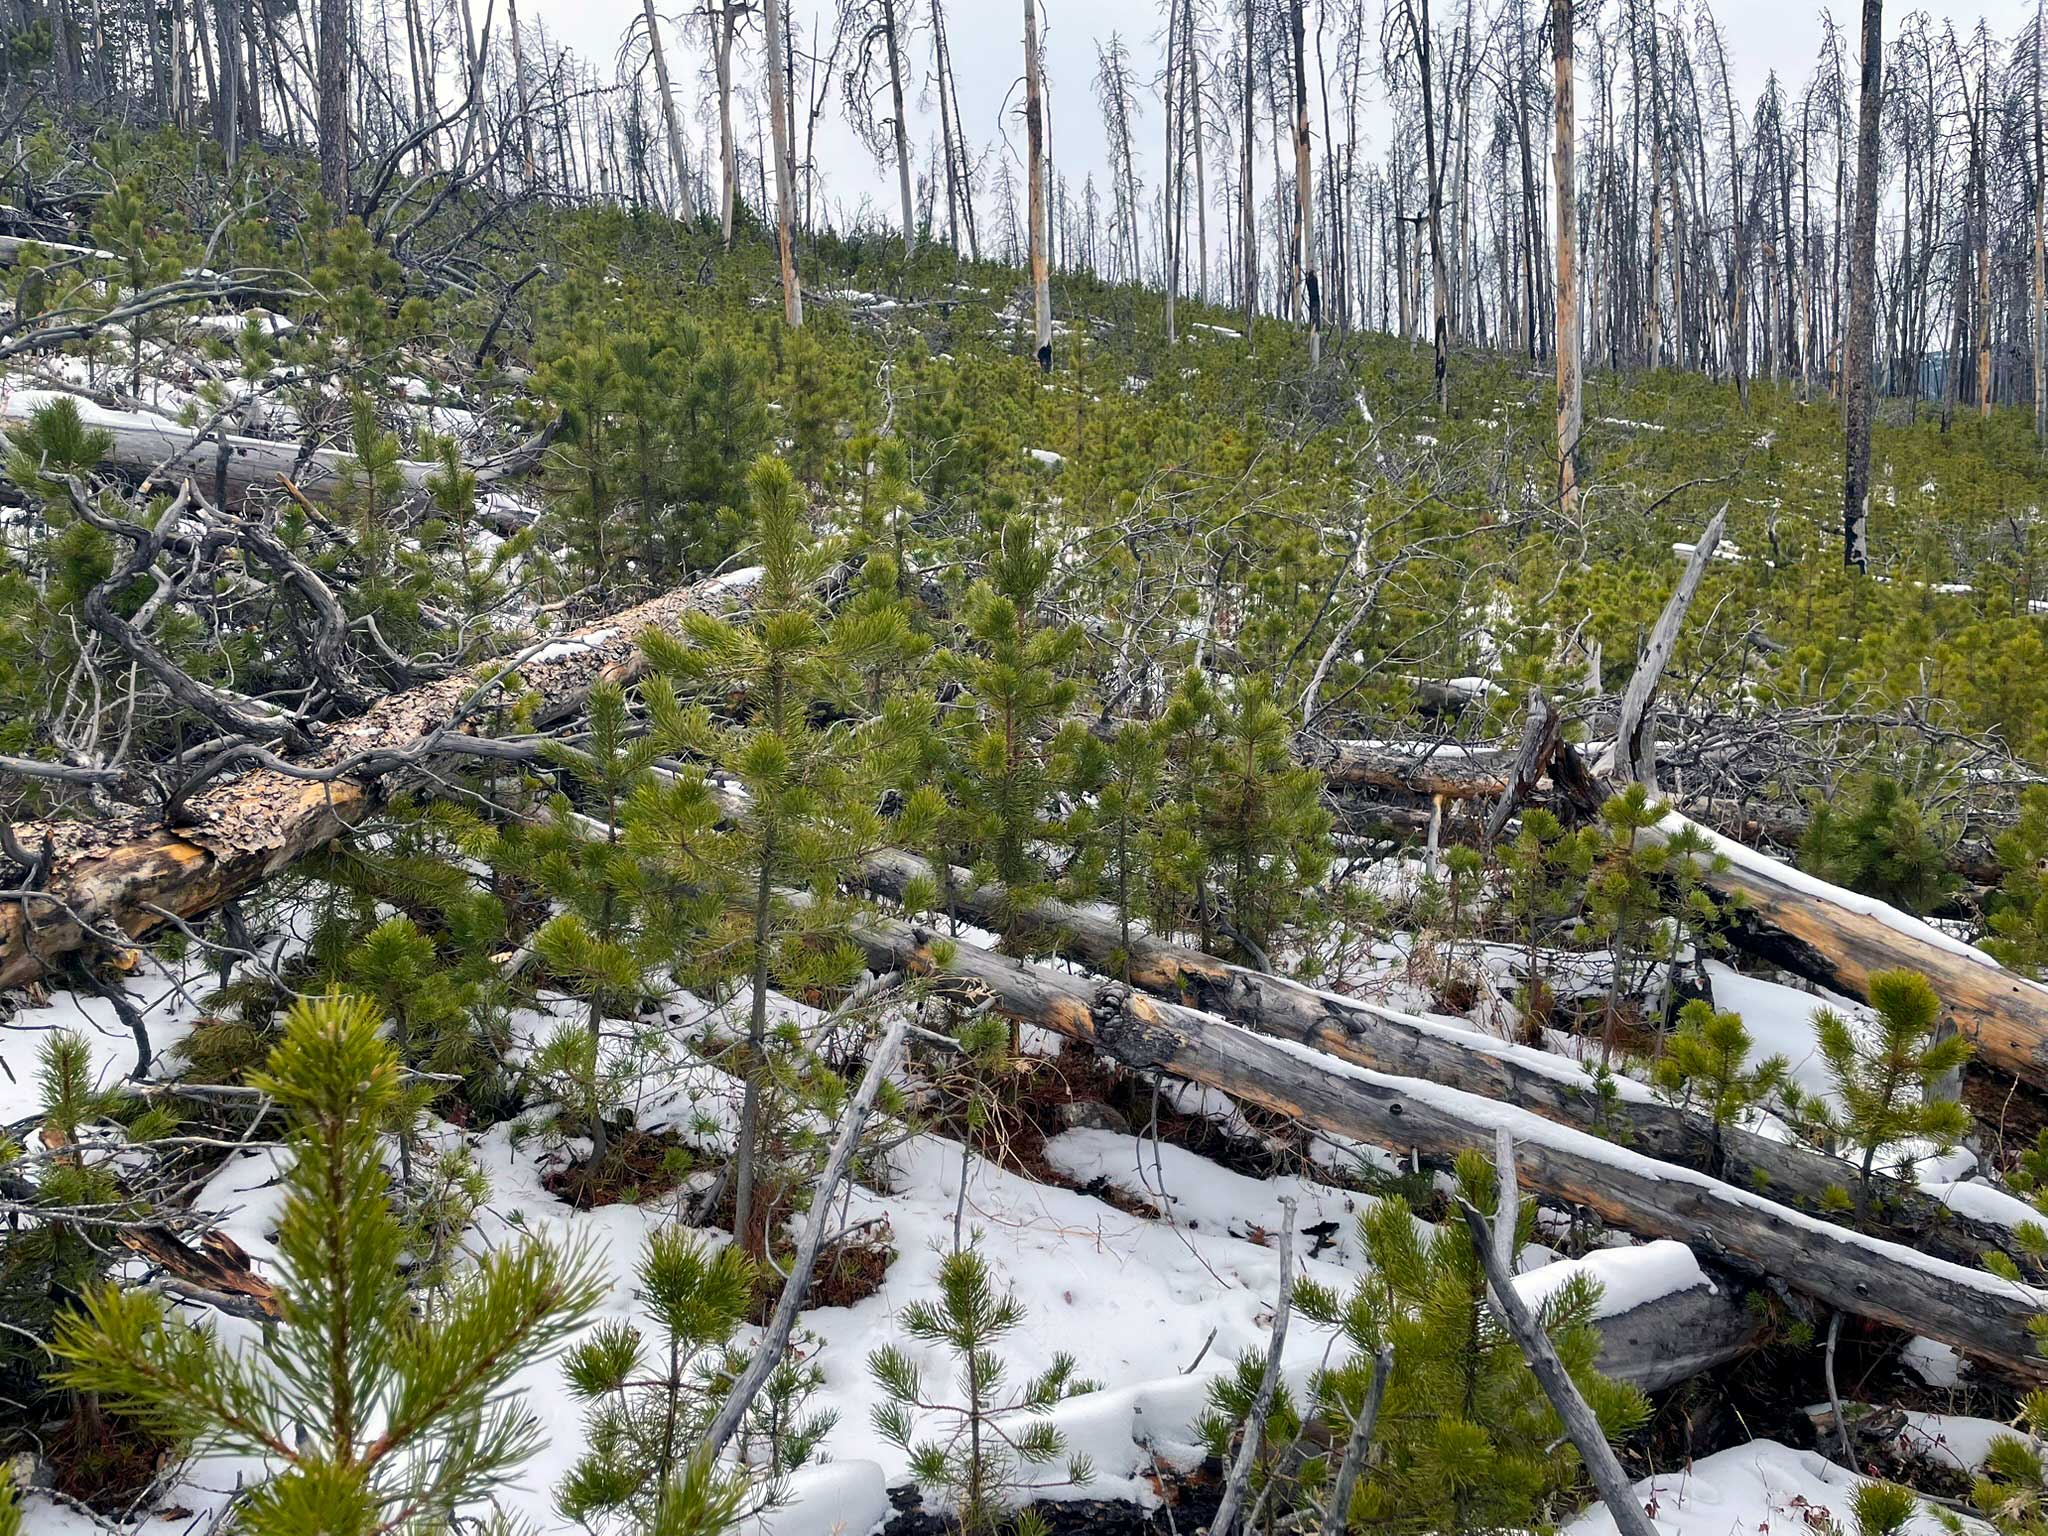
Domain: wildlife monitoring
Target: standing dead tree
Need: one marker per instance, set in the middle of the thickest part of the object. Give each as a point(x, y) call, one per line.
point(877, 27)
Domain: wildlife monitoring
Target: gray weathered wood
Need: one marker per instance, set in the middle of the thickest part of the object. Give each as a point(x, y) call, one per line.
point(1579, 1423)
point(1634, 758)
point(1869, 1277)
point(1388, 1040)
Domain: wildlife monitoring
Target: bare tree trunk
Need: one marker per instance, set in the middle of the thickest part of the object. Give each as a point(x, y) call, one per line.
point(2040, 237)
point(1192, 93)
point(1418, 27)
point(1305, 217)
point(332, 102)
point(1570, 412)
point(1856, 363)
point(227, 105)
point(727, 22)
point(1034, 134)
point(778, 132)
point(1170, 88)
point(671, 120)
point(946, 145)
point(1248, 244)
point(902, 130)
point(1983, 239)
point(524, 94)
point(1653, 311)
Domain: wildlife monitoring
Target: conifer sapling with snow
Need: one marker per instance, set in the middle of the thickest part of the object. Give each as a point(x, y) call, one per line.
point(377, 1412)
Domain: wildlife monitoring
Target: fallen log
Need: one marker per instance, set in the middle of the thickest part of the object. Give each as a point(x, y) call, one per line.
point(161, 451)
point(1371, 778)
point(119, 878)
point(1839, 939)
point(1869, 1277)
point(1657, 1344)
point(1409, 1045)
point(1785, 916)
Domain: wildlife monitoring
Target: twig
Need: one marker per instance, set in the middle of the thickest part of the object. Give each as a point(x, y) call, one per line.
point(1338, 1516)
point(1262, 1404)
point(768, 1352)
point(1579, 1423)
point(1834, 1396)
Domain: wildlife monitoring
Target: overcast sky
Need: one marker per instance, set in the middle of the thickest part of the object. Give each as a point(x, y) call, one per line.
point(987, 42)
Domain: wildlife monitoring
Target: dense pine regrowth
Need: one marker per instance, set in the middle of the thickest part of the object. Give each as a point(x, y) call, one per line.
point(937, 853)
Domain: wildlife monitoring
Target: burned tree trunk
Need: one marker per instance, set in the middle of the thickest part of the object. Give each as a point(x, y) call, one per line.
point(1859, 385)
point(1034, 125)
point(778, 129)
point(333, 102)
point(1570, 411)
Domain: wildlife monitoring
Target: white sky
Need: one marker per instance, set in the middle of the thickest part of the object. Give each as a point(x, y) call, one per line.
point(987, 43)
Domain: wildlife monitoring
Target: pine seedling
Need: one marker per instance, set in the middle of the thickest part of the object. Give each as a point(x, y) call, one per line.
point(1467, 1440)
point(811, 770)
point(376, 1418)
point(1114, 834)
point(1016, 745)
point(1646, 901)
point(1706, 1063)
point(982, 1454)
point(650, 1405)
point(2011, 1489)
point(1883, 1509)
point(1887, 1084)
point(1878, 840)
point(45, 1260)
point(1280, 1479)
point(1546, 874)
point(2018, 914)
point(597, 945)
point(1266, 826)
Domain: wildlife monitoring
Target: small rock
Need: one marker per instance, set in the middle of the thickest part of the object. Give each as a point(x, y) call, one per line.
point(1092, 1115)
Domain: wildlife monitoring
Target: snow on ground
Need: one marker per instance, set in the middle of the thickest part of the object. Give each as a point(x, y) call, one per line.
point(1137, 1300)
point(1952, 1441)
point(168, 997)
point(1780, 1022)
point(1750, 1490)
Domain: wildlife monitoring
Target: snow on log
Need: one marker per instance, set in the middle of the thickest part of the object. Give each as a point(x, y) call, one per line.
point(1662, 1319)
point(1411, 1045)
point(149, 445)
point(1864, 1276)
point(128, 875)
point(1794, 920)
point(1837, 938)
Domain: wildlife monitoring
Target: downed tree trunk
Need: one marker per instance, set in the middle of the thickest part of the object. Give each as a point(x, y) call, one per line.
point(1838, 939)
point(1794, 920)
point(1675, 1337)
point(1409, 1045)
point(119, 878)
point(1887, 1282)
point(1367, 777)
point(159, 450)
